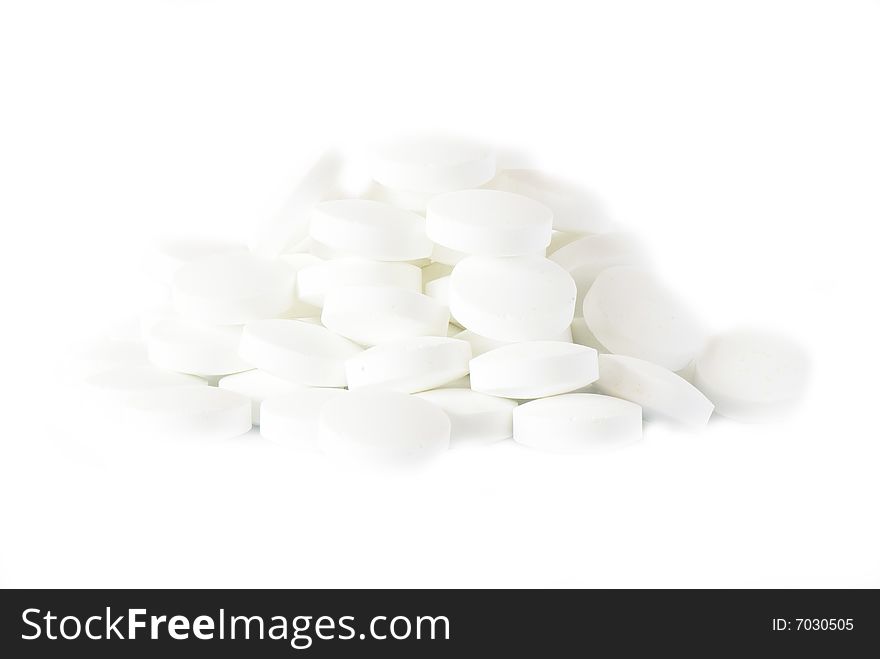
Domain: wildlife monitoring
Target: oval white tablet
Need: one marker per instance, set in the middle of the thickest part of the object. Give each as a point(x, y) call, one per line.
point(659, 391)
point(385, 426)
point(409, 365)
point(632, 313)
point(751, 375)
point(231, 289)
point(574, 423)
point(375, 314)
point(125, 380)
point(489, 223)
point(173, 253)
point(292, 419)
point(433, 164)
point(179, 345)
point(475, 418)
point(534, 369)
point(370, 229)
point(257, 385)
point(192, 412)
point(315, 281)
point(517, 298)
point(303, 353)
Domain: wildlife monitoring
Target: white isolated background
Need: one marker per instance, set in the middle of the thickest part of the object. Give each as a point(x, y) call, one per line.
point(741, 140)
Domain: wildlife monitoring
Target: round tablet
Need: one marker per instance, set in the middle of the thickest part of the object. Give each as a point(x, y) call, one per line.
point(125, 380)
point(409, 365)
point(381, 425)
point(257, 385)
point(370, 229)
point(433, 164)
point(315, 281)
point(292, 419)
point(179, 345)
point(172, 254)
point(303, 353)
point(231, 289)
point(489, 223)
point(193, 412)
point(475, 418)
point(574, 423)
point(534, 369)
point(574, 208)
point(659, 391)
point(375, 314)
point(631, 313)
point(516, 298)
point(751, 375)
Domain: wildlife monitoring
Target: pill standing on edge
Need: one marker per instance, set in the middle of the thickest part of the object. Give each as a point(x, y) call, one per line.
point(257, 385)
point(475, 418)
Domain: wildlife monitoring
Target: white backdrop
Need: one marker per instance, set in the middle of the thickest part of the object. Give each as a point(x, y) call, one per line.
point(740, 139)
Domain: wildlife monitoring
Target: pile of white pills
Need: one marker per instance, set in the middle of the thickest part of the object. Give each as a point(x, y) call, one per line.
point(453, 303)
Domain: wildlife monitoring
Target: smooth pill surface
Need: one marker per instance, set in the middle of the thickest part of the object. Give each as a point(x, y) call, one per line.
point(297, 351)
point(489, 223)
point(192, 412)
point(257, 385)
point(660, 392)
point(751, 375)
point(631, 313)
point(475, 418)
point(574, 423)
point(376, 314)
point(409, 365)
point(172, 254)
point(232, 289)
point(292, 419)
point(315, 281)
point(370, 229)
point(534, 369)
point(433, 164)
point(187, 347)
point(383, 426)
point(516, 298)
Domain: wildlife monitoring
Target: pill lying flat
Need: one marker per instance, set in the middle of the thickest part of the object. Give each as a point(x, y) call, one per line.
point(534, 369)
point(188, 347)
point(573, 423)
point(231, 289)
point(292, 419)
point(173, 253)
point(315, 281)
point(409, 365)
point(489, 223)
point(475, 418)
point(192, 412)
point(300, 352)
point(660, 392)
point(375, 314)
point(631, 313)
point(125, 380)
point(432, 164)
point(383, 426)
point(370, 229)
point(257, 385)
point(751, 375)
point(517, 298)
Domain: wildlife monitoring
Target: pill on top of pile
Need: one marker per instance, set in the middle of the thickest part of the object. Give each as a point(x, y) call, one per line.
point(450, 301)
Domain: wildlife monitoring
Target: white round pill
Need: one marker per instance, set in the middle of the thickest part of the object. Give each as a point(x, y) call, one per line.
point(632, 313)
point(574, 423)
point(659, 391)
point(315, 281)
point(534, 369)
point(231, 289)
point(187, 347)
point(751, 375)
point(173, 253)
point(433, 164)
point(489, 223)
point(370, 229)
point(292, 419)
point(257, 385)
point(475, 418)
point(303, 353)
point(192, 412)
point(375, 314)
point(517, 298)
point(384, 426)
point(409, 365)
